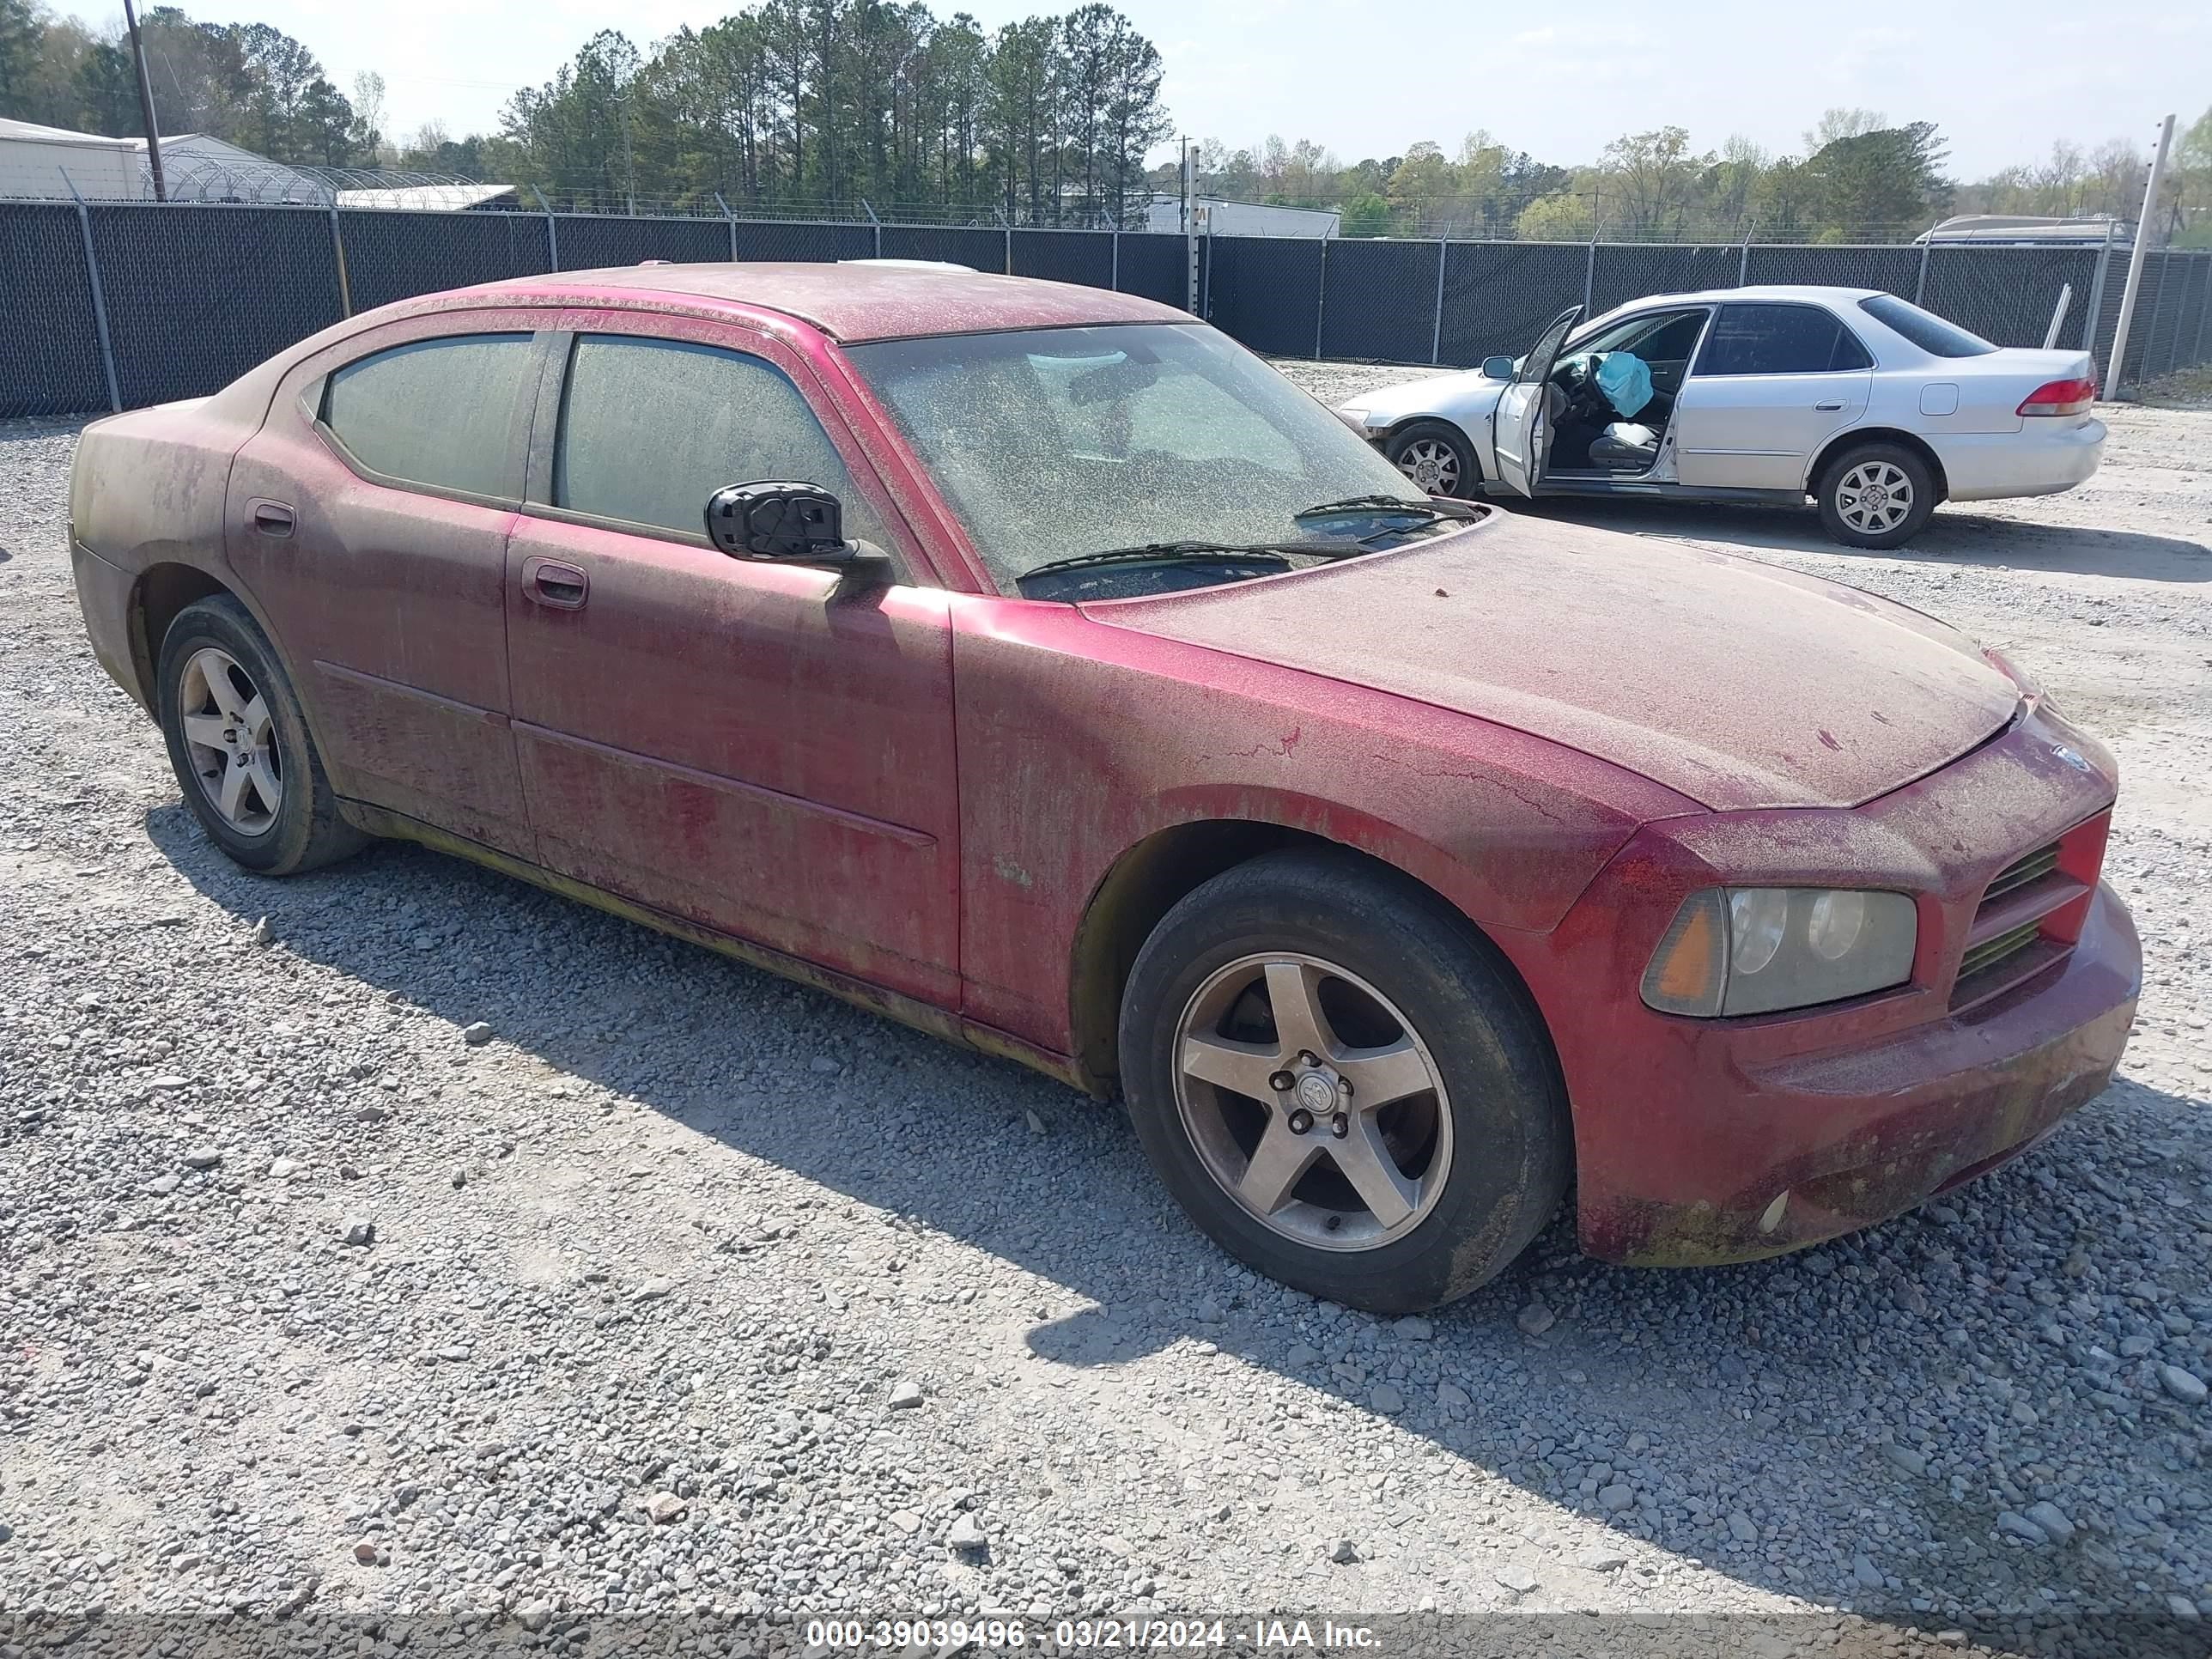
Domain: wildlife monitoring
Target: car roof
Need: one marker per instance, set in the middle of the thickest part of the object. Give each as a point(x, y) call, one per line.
point(1802, 293)
point(852, 301)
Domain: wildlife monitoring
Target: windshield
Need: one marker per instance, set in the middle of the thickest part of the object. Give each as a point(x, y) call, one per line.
point(1924, 328)
point(1053, 444)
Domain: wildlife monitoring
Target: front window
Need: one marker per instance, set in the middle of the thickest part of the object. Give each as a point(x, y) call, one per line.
point(1056, 444)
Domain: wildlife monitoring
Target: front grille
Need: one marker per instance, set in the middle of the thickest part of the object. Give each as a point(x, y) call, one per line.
point(2039, 863)
point(2009, 941)
point(1991, 952)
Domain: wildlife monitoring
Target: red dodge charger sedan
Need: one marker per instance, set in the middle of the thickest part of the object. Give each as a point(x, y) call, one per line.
point(1036, 665)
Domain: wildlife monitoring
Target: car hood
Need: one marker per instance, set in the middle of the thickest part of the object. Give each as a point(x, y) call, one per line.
point(1735, 683)
point(1458, 395)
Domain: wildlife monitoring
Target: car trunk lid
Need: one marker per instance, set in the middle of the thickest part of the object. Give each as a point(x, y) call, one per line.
point(1735, 683)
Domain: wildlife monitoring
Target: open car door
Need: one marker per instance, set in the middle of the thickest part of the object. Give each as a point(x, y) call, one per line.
point(1524, 413)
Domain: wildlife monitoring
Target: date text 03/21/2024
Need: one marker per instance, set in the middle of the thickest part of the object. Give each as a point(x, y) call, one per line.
point(1105, 1635)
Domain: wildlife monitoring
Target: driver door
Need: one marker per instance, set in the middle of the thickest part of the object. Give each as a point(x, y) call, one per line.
point(753, 746)
point(1522, 430)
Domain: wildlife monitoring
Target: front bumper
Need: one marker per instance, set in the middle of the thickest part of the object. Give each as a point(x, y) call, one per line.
point(1827, 1145)
point(1700, 1141)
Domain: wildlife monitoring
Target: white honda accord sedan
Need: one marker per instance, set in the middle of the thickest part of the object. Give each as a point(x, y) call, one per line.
point(1871, 407)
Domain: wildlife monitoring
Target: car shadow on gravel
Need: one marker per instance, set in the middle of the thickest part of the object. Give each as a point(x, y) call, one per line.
point(1956, 536)
point(1864, 1411)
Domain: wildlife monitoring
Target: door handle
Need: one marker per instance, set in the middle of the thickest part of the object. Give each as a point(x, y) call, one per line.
point(548, 581)
point(272, 518)
point(1834, 404)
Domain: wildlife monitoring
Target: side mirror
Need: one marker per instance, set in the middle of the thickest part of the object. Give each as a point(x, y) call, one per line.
point(802, 523)
point(1497, 368)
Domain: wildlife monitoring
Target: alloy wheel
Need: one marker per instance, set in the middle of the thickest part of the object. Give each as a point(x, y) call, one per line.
point(231, 740)
point(1429, 463)
point(1874, 497)
point(1312, 1101)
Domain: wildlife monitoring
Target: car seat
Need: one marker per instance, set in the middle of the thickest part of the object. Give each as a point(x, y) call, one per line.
point(1624, 446)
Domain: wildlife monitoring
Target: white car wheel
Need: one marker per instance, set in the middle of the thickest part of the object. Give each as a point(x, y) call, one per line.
point(1876, 495)
point(1436, 458)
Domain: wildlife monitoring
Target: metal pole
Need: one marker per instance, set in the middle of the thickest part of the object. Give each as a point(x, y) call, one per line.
point(1920, 284)
point(338, 247)
point(1320, 298)
point(1743, 263)
point(2058, 316)
point(1590, 270)
point(98, 300)
point(2203, 310)
point(2136, 256)
point(146, 105)
point(877, 222)
point(1010, 250)
point(2096, 320)
point(732, 218)
point(552, 232)
point(1116, 283)
point(1436, 334)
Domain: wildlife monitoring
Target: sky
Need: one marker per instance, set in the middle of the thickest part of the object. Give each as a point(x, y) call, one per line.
point(2002, 78)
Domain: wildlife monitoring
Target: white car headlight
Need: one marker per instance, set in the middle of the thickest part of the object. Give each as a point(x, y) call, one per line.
point(1759, 950)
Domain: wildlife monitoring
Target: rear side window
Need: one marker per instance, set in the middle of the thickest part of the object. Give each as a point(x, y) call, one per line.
point(1924, 328)
point(1780, 339)
point(437, 413)
point(651, 429)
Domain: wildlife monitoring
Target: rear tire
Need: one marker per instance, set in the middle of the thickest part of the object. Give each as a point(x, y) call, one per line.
point(240, 747)
point(1436, 456)
point(1876, 495)
point(1445, 1146)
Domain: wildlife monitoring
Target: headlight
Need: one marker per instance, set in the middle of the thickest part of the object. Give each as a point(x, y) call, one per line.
point(1353, 416)
point(1755, 949)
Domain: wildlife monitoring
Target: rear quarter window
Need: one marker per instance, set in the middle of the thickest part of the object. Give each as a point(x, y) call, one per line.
point(438, 413)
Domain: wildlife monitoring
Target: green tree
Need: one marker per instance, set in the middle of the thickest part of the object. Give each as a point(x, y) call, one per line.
point(1366, 215)
point(1881, 183)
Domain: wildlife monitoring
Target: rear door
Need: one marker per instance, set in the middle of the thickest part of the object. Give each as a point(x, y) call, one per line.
point(1772, 383)
point(1524, 414)
point(758, 748)
point(367, 522)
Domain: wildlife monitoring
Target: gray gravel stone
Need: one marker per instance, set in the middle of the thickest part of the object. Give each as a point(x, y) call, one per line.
point(2183, 1385)
point(476, 1033)
point(2052, 1520)
point(1535, 1319)
point(905, 1396)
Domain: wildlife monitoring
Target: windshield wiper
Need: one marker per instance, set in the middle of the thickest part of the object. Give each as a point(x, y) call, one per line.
point(1253, 552)
point(1431, 509)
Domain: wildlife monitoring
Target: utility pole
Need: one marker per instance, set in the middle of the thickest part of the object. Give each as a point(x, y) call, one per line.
point(2135, 259)
point(146, 104)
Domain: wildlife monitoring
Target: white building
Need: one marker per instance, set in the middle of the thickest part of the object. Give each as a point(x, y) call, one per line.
point(1216, 217)
point(43, 162)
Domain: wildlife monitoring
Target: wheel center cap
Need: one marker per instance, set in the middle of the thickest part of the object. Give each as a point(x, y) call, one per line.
point(1316, 1094)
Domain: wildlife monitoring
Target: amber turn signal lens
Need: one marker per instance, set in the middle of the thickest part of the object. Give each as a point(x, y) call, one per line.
point(1689, 970)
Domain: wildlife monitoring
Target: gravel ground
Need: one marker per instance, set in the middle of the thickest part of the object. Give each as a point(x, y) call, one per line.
point(672, 1288)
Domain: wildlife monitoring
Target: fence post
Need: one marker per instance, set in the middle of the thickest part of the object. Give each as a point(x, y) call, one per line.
point(1114, 283)
point(877, 222)
point(2096, 317)
point(732, 218)
point(1920, 283)
point(338, 247)
point(1743, 261)
point(1205, 286)
point(1436, 334)
point(1320, 298)
point(2203, 309)
point(1010, 250)
point(2136, 254)
point(552, 231)
point(98, 297)
point(1589, 271)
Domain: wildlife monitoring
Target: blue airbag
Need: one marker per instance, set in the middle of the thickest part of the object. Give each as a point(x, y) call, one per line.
point(1626, 380)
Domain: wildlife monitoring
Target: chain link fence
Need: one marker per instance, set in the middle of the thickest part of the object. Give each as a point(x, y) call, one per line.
point(120, 304)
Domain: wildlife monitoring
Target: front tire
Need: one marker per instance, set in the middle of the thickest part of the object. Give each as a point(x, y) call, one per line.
point(1435, 456)
point(240, 745)
point(1876, 495)
point(1341, 1084)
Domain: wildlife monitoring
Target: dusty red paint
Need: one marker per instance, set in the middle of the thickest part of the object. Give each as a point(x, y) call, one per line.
point(928, 798)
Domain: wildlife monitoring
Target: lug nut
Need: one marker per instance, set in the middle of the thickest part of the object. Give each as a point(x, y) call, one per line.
point(1301, 1121)
point(1305, 1058)
point(1340, 1126)
point(1280, 1083)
